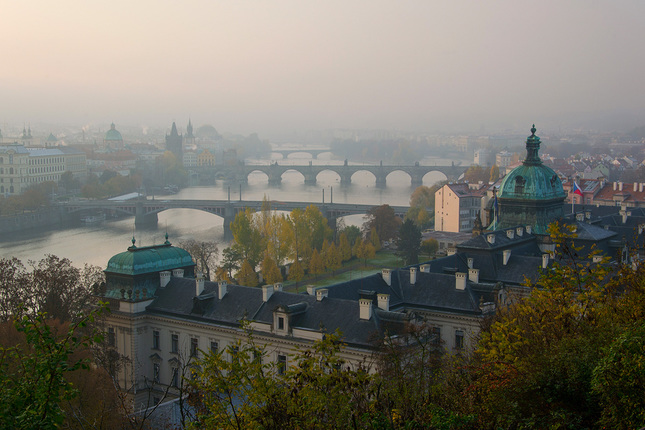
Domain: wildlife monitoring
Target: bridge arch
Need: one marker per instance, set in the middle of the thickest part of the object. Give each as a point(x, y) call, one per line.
point(400, 173)
point(361, 172)
point(433, 177)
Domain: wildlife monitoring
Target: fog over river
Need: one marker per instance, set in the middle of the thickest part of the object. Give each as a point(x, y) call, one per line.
point(95, 244)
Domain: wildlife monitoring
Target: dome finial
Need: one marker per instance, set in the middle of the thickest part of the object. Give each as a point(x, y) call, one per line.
point(166, 243)
point(533, 130)
point(133, 240)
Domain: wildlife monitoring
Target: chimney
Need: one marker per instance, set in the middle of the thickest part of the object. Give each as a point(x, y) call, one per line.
point(425, 268)
point(387, 276)
point(519, 231)
point(580, 217)
point(413, 275)
point(529, 229)
point(383, 301)
point(321, 294)
point(199, 284)
point(506, 254)
point(635, 186)
point(641, 227)
point(623, 214)
point(267, 292)
point(473, 275)
point(597, 258)
point(222, 289)
point(545, 260)
point(640, 187)
point(451, 251)
point(620, 186)
point(365, 306)
point(510, 233)
point(460, 281)
point(588, 214)
point(277, 286)
point(164, 278)
point(178, 273)
point(615, 186)
point(311, 289)
point(470, 263)
point(491, 239)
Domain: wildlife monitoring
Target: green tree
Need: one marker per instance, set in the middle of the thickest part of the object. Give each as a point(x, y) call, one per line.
point(353, 233)
point(383, 221)
point(476, 173)
point(430, 246)
point(33, 375)
point(409, 243)
point(247, 276)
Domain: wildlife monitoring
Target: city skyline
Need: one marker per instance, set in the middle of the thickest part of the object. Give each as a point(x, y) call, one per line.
point(288, 66)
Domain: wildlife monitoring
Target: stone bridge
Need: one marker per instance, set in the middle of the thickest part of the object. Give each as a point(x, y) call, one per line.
point(145, 210)
point(274, 171)
point(314, 152)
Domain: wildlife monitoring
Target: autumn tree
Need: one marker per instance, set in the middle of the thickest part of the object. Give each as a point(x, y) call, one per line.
point(248, 239)
point(475, 174)
point(430, 246)
point(296, 272)
point(494, 173)
point(344, 248)
point(316, 264)
point(332, 258)
point(247, 276)
point(270, 271)
point(383, 221)
point(204, 254)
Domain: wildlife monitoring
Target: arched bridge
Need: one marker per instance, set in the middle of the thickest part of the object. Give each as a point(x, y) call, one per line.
point(274, 172)
point(314, 152)
point(145, 210)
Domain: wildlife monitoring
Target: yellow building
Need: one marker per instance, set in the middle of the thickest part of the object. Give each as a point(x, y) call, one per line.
point(456, 207)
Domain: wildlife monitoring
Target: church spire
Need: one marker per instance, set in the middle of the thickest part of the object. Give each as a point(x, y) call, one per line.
point(189, 129)
point(173, 131)
point(532, 149)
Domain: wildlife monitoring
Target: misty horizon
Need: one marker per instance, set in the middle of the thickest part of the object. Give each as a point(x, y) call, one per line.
point(288, 67)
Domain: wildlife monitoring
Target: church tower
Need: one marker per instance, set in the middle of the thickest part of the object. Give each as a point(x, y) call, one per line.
point(189, 138)
point(174, 143)
point(531, 194)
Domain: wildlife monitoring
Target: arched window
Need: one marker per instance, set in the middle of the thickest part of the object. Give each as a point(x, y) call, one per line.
point(11, 170)
point(519, 185)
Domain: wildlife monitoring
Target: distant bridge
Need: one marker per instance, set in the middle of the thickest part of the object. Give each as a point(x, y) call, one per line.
point(313, 152)
point(145, 210)
point(240, 173)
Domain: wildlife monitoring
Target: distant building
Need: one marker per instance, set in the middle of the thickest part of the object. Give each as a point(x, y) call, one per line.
point(189, 138)
point(456, 206)
point(503, 159)
point(174, 143)
point(484, 157)
point(113, 139)
point(22, 167)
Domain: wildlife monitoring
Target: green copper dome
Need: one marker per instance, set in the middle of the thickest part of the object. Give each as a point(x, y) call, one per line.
point(532, 180)
point(113, 134)
point(149, 259)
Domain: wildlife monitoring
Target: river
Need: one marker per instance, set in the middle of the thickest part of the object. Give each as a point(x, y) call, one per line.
point(95, 244)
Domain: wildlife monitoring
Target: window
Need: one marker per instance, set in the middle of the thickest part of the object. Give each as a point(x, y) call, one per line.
point(459, 339)
point(155, 339)
point(214, 346)
point(111, 337)
point(175, 377)
point(194, 345)
point(436, 332)
point(155, 372)
point(280, 323)
point(174, 343)
point(282, 364)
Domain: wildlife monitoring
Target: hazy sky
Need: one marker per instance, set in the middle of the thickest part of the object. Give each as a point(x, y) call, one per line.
point(274, 66)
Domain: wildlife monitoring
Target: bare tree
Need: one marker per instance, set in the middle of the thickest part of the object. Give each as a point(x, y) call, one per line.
point(204, 253)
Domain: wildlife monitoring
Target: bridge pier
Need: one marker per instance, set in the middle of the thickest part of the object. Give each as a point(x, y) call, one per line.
point(142, 219)
point(381, 180)
point(229, 217)
point(310, 179)
point(345, 178)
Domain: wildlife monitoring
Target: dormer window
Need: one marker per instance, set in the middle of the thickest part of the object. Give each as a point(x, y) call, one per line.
point(519, 184)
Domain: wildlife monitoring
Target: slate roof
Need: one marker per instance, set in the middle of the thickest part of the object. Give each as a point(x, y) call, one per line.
point(178, 299)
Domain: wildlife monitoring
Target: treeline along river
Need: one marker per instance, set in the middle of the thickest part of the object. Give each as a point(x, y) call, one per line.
point(96, 243)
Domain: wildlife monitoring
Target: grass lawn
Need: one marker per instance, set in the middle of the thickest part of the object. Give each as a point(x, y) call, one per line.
point(352, 269)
